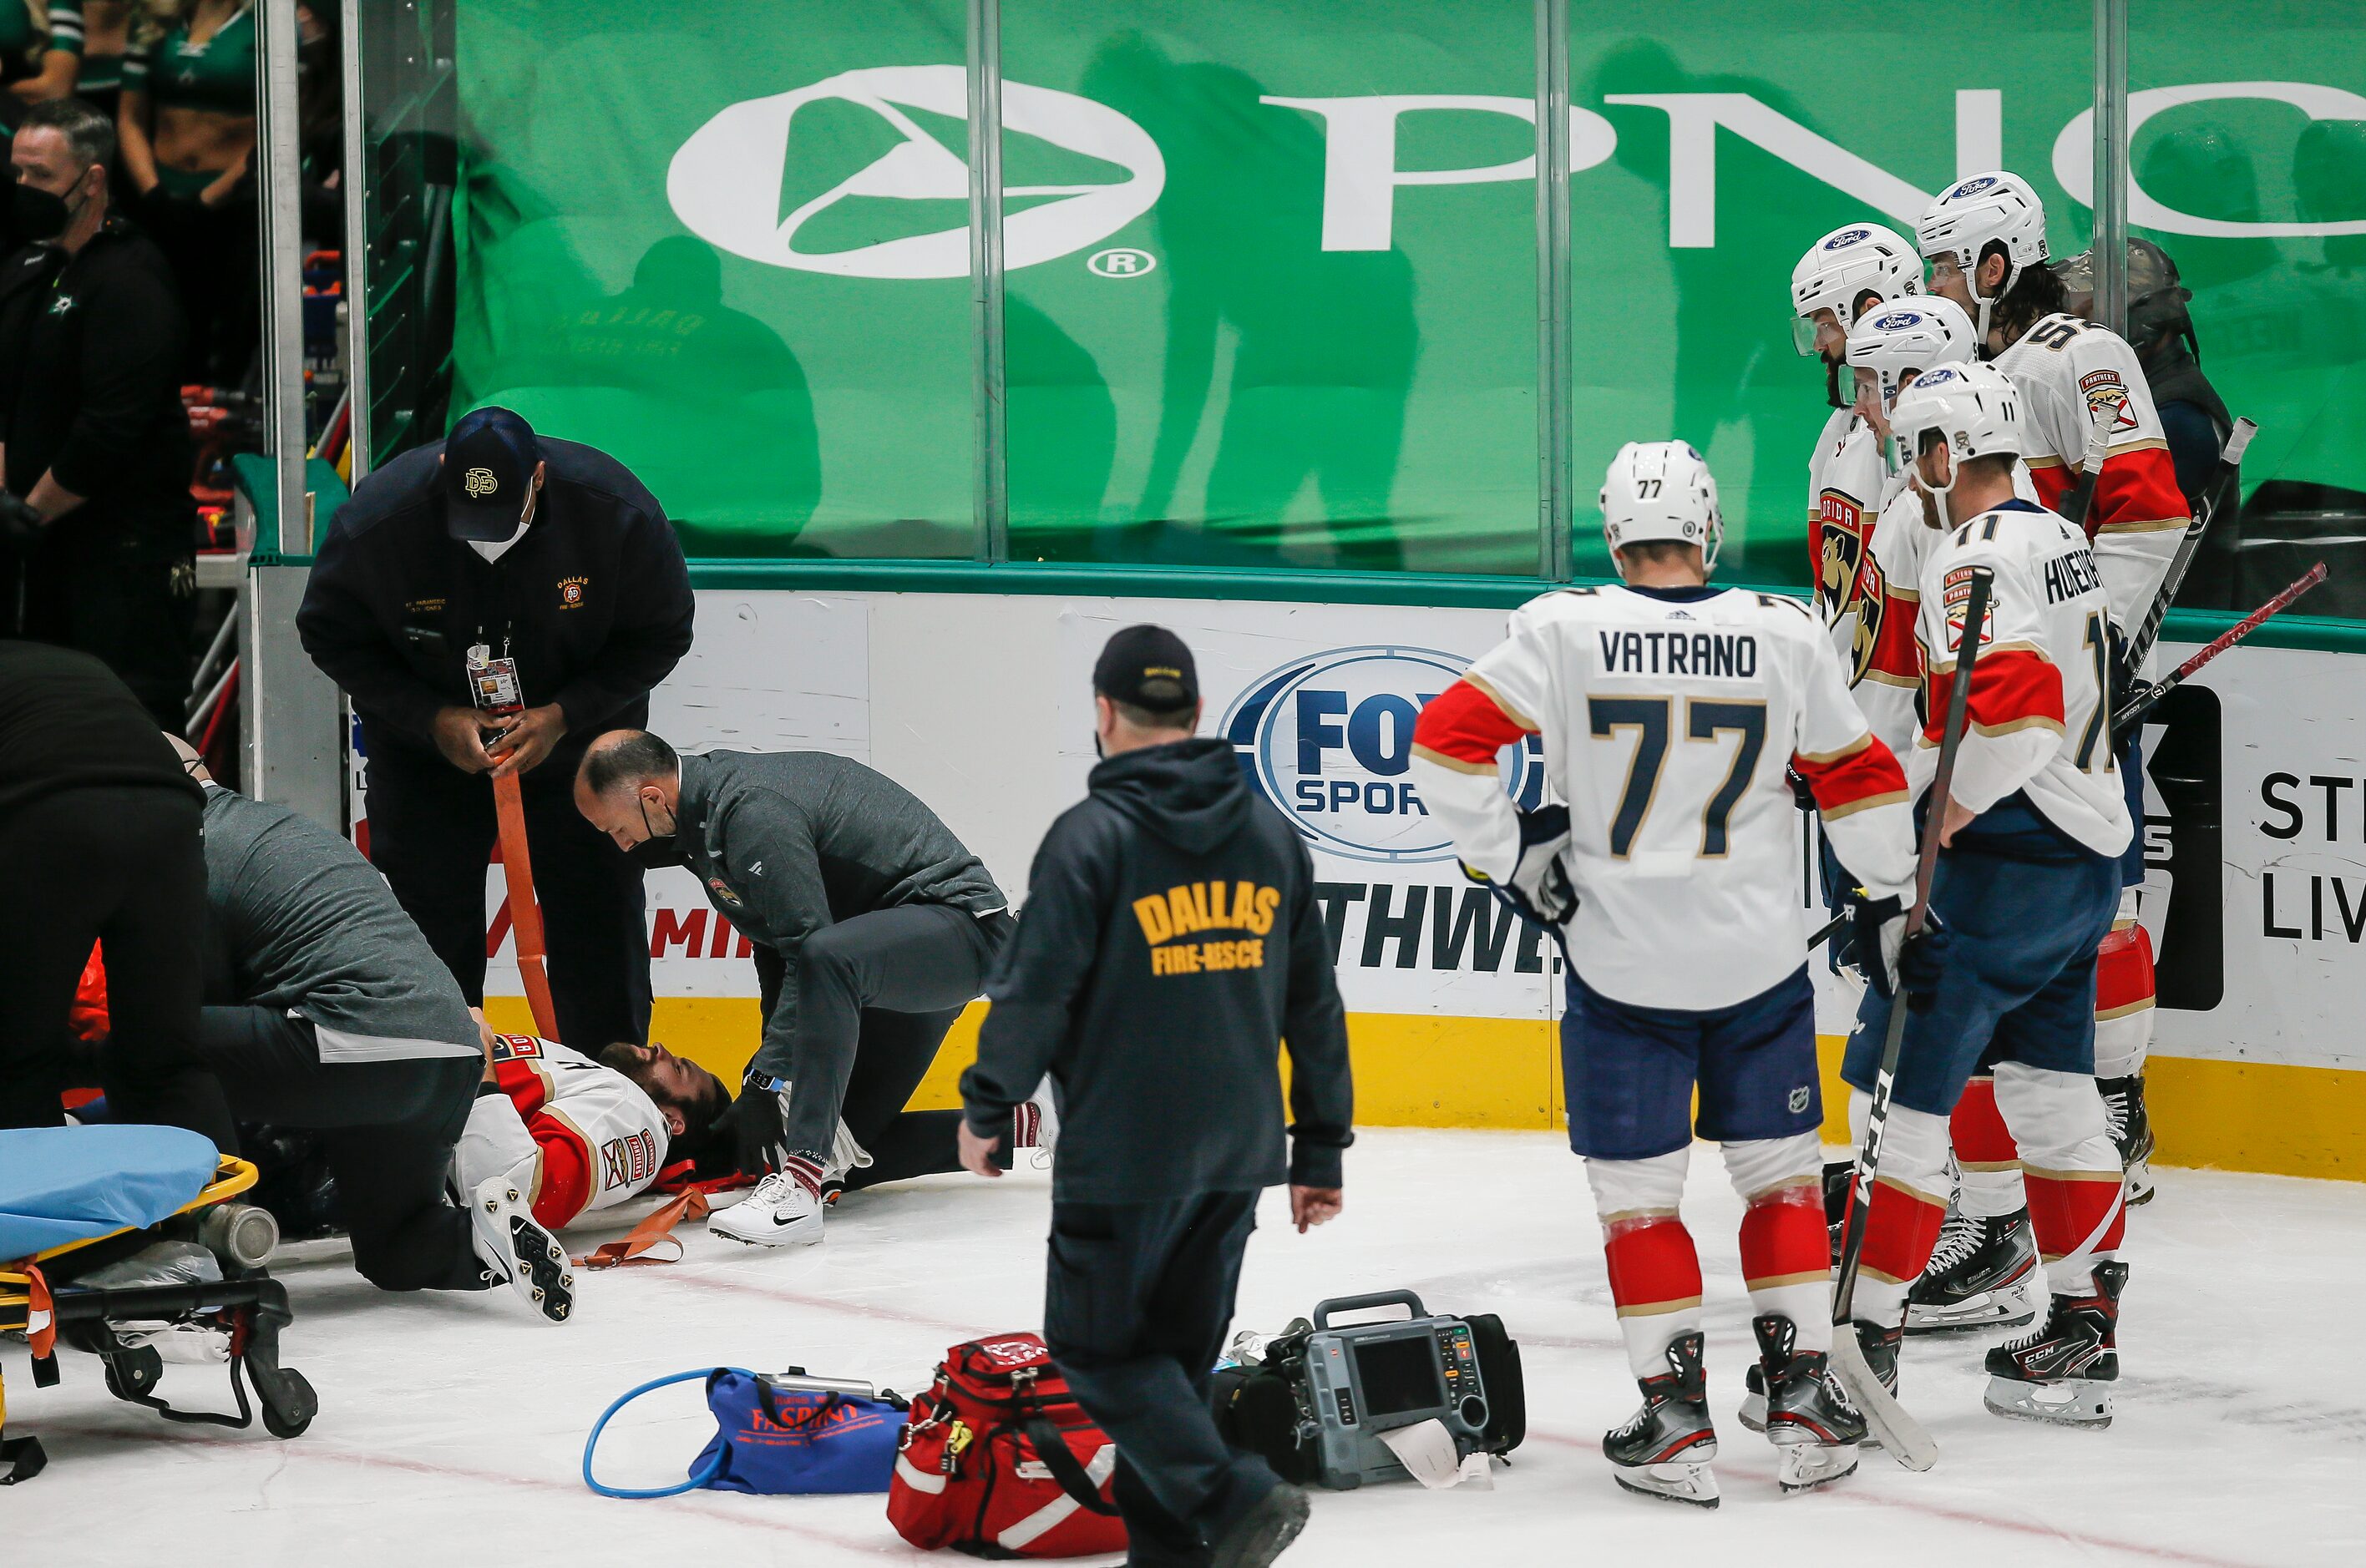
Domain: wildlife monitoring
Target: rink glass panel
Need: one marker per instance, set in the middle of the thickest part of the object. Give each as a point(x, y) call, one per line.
point(1252, 371)
point(1284, 376)
point(2249, 197)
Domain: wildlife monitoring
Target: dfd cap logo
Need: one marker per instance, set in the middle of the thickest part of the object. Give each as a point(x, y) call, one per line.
point(1329, 741)
point(1971, 187)
point(1847, 237)
point(1897, 321)
point(480, 483)
point(725, 182)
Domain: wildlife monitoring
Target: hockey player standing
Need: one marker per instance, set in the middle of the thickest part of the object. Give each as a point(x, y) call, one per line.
point(1980, 1271)
point(1847, 273)
point(1171, 942)
point(2095, 447)
point(2025, 886)
point(1669, 710)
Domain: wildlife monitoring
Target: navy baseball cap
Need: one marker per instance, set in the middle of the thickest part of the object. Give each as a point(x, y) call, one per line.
point(489, 463)
point(1147, 666)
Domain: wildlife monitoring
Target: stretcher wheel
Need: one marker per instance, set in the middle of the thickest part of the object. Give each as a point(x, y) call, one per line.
point(132, 1373)
point(287, 1399)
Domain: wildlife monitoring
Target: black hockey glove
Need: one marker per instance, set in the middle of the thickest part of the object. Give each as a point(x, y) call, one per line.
point(1877, 946)
point(756, 1117)
point(1538, 885)
point(22, 528)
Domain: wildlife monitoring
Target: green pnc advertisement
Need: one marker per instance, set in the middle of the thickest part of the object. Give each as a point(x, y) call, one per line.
point(1271, 266)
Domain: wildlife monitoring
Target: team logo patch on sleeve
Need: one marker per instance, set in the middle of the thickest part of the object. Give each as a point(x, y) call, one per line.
point(516, 1047)
point(1955, 595)
point(2107, 399)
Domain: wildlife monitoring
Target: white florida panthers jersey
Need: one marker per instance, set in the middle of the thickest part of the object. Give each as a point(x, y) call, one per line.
point(2082, 394)
point(2040, 719)
point(573, 1134)
point(1668, 719)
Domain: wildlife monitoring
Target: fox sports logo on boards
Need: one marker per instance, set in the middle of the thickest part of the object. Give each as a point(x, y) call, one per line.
point(1328, 739)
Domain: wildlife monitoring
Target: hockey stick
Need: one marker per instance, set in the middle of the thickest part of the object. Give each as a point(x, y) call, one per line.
point(2230, 458)
point(525, 914)
point(1903, 1435)
point(2132, 714)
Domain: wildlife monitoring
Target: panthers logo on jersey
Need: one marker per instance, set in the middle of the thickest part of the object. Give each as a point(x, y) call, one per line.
point(1871, 605)
point(1839, 551)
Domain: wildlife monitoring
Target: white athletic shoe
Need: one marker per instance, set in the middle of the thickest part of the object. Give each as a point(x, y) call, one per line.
point(781, 1211)
point(515, 1249)
point(1035, 1124)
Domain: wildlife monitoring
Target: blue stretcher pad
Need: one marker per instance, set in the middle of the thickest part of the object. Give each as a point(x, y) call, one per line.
point(64, 1184)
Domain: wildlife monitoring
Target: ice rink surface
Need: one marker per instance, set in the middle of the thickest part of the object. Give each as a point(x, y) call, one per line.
point(451, 1426)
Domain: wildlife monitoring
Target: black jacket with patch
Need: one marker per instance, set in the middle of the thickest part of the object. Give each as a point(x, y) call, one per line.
point(595, 602)
point(1171, 942)
point(789, 842)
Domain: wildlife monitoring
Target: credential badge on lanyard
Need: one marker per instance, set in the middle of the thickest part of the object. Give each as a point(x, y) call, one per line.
point(493, 683)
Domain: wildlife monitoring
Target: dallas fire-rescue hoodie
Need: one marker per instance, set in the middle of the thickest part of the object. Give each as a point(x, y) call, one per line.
point(1170, 941)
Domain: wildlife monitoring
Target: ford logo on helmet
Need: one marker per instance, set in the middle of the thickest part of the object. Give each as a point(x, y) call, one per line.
point(1899, 320)
point(1328, 740)
point(1847, 237)
point(1936, 377)
point(1972, 187)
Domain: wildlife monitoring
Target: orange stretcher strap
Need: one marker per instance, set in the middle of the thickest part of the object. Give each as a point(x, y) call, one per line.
point(656, 1227)
point(525, 914)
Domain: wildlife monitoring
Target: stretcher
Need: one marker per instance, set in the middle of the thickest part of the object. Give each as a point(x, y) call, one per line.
point(82, 1206)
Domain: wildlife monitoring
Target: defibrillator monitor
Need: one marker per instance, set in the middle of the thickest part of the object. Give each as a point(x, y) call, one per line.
point(1399, 1376)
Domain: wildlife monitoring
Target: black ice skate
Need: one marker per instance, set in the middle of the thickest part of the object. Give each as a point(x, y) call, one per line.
point(1880, 1347)
point(1981, 1275)
point(2063, 1371)
point(1808, 1417)
point(2130, 1128)
point(1665, 1450)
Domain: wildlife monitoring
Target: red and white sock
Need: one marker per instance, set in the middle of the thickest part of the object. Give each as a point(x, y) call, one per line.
point(1988, 1163)
point(1655, 1278)
point(2075, 1203)
point(805, 1170)
point(1786, 1258)
point(2124, 1000)
point(1909, 1201)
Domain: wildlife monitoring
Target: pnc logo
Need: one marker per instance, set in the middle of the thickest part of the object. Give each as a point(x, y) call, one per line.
point(1329, 741)
point(725, 183)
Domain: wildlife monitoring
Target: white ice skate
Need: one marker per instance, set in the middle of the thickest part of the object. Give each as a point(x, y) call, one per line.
point(781, 1211)
point(515, 1249)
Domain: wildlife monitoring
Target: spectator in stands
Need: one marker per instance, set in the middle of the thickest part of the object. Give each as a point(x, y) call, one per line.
point(95, 521)
point(187, 124)
point(84, 53)
point(40, 47)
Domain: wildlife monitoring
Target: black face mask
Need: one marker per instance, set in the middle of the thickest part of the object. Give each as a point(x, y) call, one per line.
point(35, 216)
point(656, 852)
point(659, 850)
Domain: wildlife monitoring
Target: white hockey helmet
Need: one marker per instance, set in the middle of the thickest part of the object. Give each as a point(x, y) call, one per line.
point(1975, 406)
point(1854, 260)
point(1908, 337)
point(1971, 214)
point(1662, 490)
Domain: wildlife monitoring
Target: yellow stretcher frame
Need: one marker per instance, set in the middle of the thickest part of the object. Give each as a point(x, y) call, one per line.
point(287, 1399)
